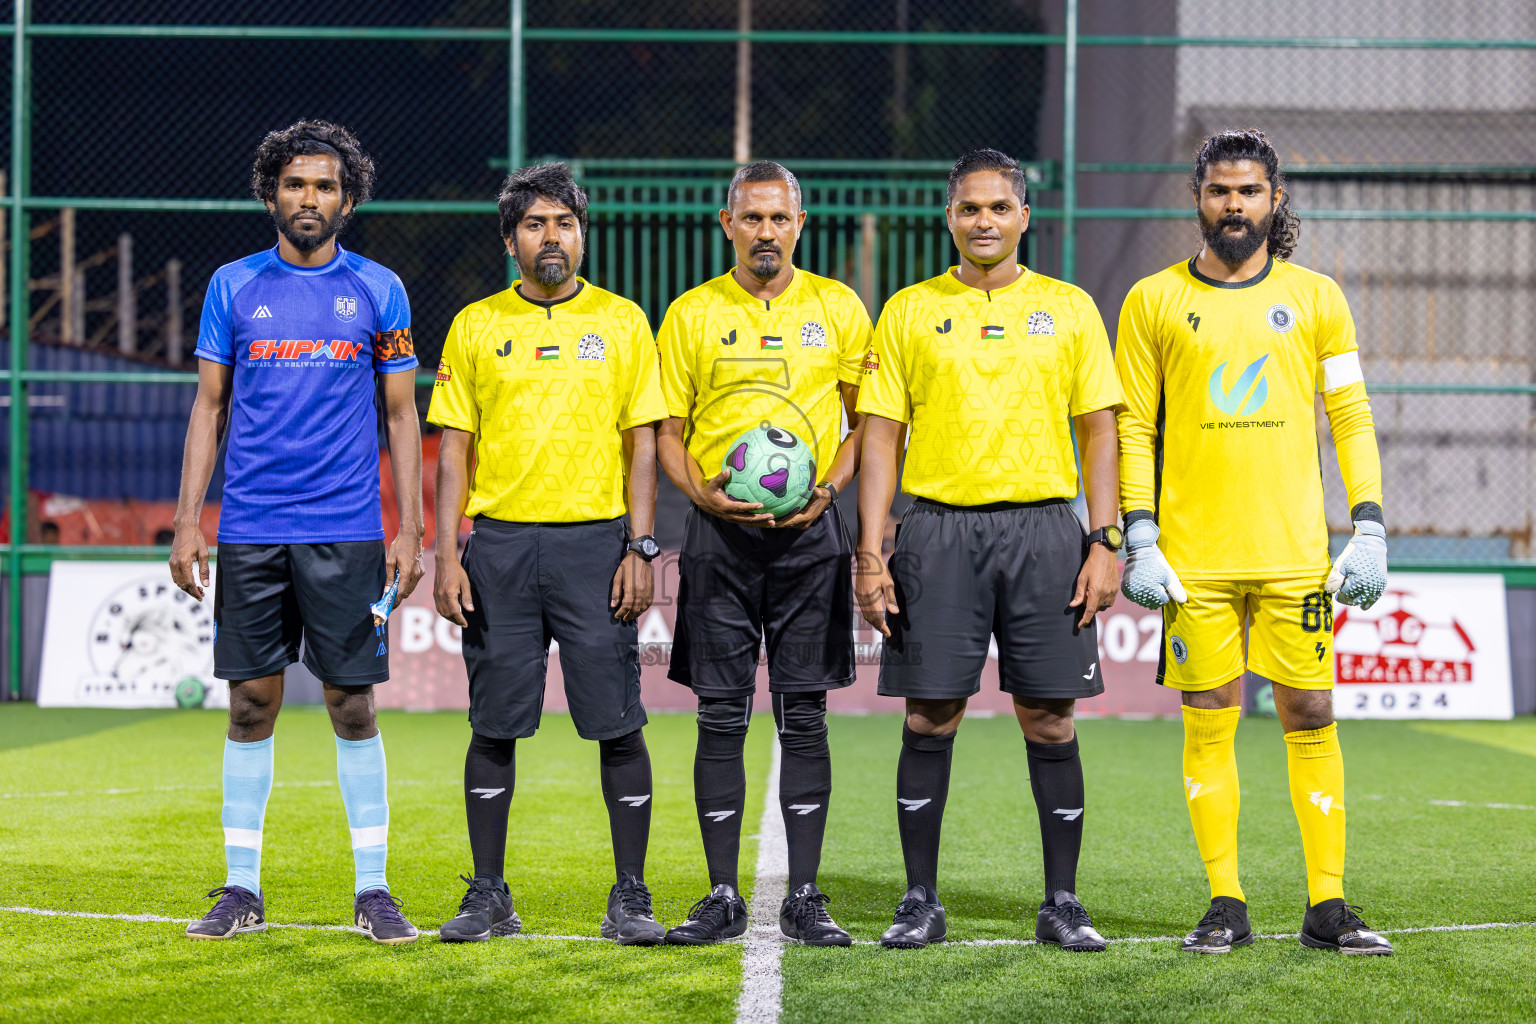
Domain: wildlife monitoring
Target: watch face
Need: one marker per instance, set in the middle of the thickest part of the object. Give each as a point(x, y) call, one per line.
point(648, 547)
point(1115, 536)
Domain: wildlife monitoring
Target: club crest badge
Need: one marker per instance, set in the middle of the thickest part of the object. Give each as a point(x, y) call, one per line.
point(346, 308)
point(591, 347)
point(1281, 317)
point(813, 335)
point(1180, 651)
point(1040, 322)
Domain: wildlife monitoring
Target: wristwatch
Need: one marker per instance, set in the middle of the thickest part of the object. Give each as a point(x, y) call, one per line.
point(646, 547)
point(1111, 537)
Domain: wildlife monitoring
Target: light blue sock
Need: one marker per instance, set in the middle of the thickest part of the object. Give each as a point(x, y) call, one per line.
point(363, 780)
point(247, 784)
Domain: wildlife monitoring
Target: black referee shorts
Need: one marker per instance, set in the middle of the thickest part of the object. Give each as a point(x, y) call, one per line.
point(964, 575)
point(533, 582)
point(270, 597)
point(742, 587)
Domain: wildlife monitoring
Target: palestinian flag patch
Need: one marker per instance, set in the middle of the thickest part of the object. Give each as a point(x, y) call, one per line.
point(771, 343)
point(547, 352)
point(991, 334)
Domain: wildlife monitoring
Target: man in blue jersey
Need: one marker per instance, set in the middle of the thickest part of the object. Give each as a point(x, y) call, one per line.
point(292, 342)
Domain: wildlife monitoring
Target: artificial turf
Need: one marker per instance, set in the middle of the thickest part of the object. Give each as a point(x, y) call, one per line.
point(130, 826)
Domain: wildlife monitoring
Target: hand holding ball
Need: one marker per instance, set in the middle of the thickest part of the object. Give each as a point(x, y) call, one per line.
point(770, 465)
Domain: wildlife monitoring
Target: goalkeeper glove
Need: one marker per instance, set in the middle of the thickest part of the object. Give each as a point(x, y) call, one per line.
point(1149, 580)
point(1360, 572)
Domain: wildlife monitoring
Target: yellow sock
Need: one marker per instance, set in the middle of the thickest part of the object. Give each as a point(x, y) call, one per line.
point(1317, 793)
point(1210, 785)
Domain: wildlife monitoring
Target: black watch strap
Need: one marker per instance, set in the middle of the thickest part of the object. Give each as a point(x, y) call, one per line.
point(1111, 537)
point(832, 490)
point(646, 547)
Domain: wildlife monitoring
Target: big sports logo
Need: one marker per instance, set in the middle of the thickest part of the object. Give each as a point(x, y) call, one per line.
point(1401, 640)
point(335, 351)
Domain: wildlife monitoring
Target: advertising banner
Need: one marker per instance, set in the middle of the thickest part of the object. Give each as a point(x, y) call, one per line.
point(121, 635)
point(1435, 646)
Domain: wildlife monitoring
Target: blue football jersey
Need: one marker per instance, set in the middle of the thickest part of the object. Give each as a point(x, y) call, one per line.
point(302, 465)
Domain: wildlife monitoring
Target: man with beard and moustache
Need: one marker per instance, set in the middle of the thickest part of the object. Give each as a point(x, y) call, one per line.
point(1220, 357)
point(992, 367)
point(551, 387)
point(763, 343)
point(291, 345)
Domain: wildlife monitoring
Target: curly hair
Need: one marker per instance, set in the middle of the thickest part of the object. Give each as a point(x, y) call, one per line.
point(310, 138)
point(1252, 144)
point(551, 182)
point(988, 160)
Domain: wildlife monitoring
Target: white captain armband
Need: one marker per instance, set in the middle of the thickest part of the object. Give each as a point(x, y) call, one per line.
point(1341, 371)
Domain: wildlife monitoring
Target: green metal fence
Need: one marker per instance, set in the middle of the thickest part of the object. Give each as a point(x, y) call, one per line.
point(1108, 204)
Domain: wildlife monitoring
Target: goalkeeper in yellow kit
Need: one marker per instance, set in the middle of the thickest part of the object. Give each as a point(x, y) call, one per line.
point(1219, 358)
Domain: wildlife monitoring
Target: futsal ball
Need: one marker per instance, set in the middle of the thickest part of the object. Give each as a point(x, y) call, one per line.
point(768, 464)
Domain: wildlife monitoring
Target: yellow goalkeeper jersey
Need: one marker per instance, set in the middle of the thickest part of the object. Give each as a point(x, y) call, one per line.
point(546, 389)
point(730, 362)
point(1219, 434)
point(989, 382)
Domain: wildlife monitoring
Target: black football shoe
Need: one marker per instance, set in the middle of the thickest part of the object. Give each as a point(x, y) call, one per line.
point(720, 915)
point(629, 920)
point(485, 911)
point(1063, 922)
point(1334, 924)
point(237, 910)
point(1223, 927)
point(377, 913)
point(804, 918)
point(919, 921)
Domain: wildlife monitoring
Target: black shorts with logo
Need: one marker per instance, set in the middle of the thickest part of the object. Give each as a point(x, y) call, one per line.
point(966, 574)
point(269, 597)
point(744, 587)
point(533, 582)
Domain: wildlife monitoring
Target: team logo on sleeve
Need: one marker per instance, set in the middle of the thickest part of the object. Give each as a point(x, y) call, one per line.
point(1040, 322)
point(1281, 317)
point(346, 308)
point(872, 362)
point(444, 373)
point(813, 335)
point(591, 347)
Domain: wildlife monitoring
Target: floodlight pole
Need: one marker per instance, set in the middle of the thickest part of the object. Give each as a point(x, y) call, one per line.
point(743, 148)
point(516, 116)
point(20, 235)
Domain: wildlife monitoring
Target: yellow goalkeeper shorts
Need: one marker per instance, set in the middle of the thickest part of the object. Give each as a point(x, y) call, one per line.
point(1290, 634)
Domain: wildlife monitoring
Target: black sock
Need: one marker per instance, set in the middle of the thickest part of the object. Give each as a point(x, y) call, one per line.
point(922, 787)
point(1056, 776)
point(626, 774)
point(490, 768)
point(805, 779)
point(720, 784)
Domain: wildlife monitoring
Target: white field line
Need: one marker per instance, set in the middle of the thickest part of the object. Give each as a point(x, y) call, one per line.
point(777, 943)
point(762, 986)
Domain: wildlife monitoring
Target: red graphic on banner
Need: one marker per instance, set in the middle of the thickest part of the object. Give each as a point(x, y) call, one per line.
point(1396, 641)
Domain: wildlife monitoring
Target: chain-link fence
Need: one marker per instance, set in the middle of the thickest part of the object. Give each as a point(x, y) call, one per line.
point(1406, 127)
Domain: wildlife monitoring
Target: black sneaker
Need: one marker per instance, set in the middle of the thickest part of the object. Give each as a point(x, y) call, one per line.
point(1064, 922)
point(919, 921)
point(1224, 926)
point(720, 915)
point(629, 920)
point(377, 913)
point(1334, 924)
point(804, 918)
point(238, 910)
point(485, 910)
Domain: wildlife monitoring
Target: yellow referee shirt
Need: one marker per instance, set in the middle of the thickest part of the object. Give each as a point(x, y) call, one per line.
point(545, 391)
point(989, 382)
point(1219, 433)
point(730, 362)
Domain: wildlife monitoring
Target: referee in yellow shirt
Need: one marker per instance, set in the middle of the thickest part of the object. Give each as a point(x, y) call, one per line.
point(551, 387)
point(1221, 357)
point(989, 366)
point(765, 342)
